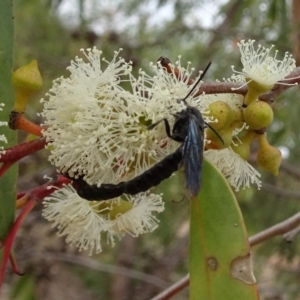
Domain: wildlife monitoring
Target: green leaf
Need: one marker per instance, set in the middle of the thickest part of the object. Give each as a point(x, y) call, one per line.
point(219, 263)
point(8, 181)
point(24, 288)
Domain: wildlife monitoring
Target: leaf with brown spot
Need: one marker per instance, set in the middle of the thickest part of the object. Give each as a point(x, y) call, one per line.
point(220, 263)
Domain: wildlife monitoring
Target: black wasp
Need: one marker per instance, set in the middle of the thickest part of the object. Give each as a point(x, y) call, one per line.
point(188, 129)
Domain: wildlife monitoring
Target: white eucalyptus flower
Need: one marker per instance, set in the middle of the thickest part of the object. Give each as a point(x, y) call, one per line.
point(82, 113)
point(239, 173)
point(84, 222)
point(139, 219)
point(94, 127)
point(261, 67)
point(77, 219)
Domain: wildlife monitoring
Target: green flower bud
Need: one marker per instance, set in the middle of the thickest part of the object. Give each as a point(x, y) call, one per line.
point(237, 114)
point(222, 112)
point(26, 81)
point(215, 142)
point(242, 146)
point(268, 157)
point(119, 208)
point(258, 114)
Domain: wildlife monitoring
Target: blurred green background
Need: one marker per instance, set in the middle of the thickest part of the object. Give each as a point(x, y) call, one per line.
point(201, 31)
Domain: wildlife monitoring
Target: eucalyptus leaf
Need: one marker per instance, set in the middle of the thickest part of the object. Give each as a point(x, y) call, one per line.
point(8, 181)
point(220, 261)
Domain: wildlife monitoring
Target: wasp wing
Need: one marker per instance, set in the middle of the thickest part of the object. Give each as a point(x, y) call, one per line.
point(193, 154)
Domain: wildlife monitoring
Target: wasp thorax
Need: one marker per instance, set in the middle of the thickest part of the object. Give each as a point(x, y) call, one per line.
point(258, 114)
point(26, 81)
point(268, 157)
point(222, 112)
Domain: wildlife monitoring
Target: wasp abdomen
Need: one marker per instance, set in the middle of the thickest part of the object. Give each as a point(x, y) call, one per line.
point(104, 192)
point(155, 175)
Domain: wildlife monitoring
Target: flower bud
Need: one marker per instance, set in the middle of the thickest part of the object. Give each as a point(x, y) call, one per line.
point(119, 208)
point(222, 112)
point(26, 81)
point(268, 157)
point(242, 146)
point(215, 141)
point(237, 114)
point(258, 114)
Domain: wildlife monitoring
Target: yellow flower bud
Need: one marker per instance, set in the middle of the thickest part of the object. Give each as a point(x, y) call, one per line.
point(237, 114)
point(215, 142)
point(222, 112)
point(120, 208)
point(26, 81)
point(242, 146)
point(258, 114)
point(268, 157)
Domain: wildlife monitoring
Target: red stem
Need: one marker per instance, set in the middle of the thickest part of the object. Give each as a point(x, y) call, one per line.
point(35, 195)
point(26, 125)
point(13, 154)
point(14, 265)
point(17, 121)
point(12, 234)
point(46, 189)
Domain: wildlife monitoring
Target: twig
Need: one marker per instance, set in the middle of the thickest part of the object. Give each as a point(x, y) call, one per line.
point(290, 169)
point(228, 87)
point(279, 191)
point(93, 264)
point(236, 88)
point(278, 229)
point(290, 236)
point(174, 289)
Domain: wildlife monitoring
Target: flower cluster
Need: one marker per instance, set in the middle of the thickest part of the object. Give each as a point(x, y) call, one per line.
point(99, 130)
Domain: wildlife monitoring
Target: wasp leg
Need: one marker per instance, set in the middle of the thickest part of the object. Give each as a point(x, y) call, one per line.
point(167, 126)
point(214, 132)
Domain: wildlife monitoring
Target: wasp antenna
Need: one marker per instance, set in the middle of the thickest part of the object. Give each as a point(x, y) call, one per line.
point(197, 82)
